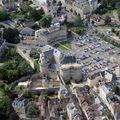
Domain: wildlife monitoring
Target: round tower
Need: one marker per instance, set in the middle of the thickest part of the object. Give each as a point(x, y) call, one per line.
point(43, 63)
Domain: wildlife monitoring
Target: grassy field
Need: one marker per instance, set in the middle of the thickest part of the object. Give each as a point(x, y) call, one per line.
point(63, 45)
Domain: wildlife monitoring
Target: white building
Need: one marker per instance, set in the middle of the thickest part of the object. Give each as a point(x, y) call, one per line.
point(104, 91)
point(51, 35)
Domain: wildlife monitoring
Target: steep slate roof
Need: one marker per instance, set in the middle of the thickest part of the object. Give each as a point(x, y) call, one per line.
point(49, 53)
point(27, 31)
point(53, 67)
point(68, 59)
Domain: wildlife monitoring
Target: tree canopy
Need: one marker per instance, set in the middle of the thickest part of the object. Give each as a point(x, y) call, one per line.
point(11, 35)
point(32, 110)
point(14, 67)
point(6, 109)
point(36, 14)
point(78, 22)
point(107, 20)
point(46, 21)
point(3, 16)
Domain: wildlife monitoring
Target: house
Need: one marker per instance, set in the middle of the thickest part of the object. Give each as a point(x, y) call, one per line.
point(104, 91)
point(112, 101)
point(73, 112)
point(93, 79)
point(90, 103)
point(20, 105)
point(56, 106)
point(63, 92)
point(108, 75)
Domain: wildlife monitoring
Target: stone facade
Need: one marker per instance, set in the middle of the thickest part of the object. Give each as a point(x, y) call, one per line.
point(51, 35)
point(9, 5)
point(53, 64)
point(83, 7)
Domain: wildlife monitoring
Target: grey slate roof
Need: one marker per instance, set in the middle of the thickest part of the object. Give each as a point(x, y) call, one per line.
point(49, 53)
point(53, 67)
point(27, 31)
point(68, 59)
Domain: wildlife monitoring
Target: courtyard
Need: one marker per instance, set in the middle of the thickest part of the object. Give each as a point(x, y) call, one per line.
point(66, 45)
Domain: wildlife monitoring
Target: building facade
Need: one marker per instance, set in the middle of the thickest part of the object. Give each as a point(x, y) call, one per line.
point(53, 64)
point(81, 7)
point(9, 5)
point(51, 35)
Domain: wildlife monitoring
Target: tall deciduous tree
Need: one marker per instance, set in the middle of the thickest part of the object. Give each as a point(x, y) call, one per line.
point(11, 35)
point(46, 21)
point(36, 14)
point(78, 22)
point(107, 20)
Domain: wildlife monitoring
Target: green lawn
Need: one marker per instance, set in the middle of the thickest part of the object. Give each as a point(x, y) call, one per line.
point(63, 45)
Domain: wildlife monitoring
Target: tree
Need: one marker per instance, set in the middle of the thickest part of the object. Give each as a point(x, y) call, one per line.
point(107, 20)
point(78, 30)
point(93, 22)
point(32, 110)
point(113, 30)
point(104, 2)
point(5, 107)
point(78, 22)
point(59, 3)
point(13, 116)
point(24, 68)
point(116, 89)
point(54, 1)
point(46, 21)
point(26, 94)
point(11, 35)
point(3, 16)
point(36, 14)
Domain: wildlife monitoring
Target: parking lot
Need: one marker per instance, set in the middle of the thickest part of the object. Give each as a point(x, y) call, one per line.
point(93, 53)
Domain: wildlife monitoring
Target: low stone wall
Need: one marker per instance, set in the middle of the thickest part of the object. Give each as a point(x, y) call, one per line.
point(29, 77)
